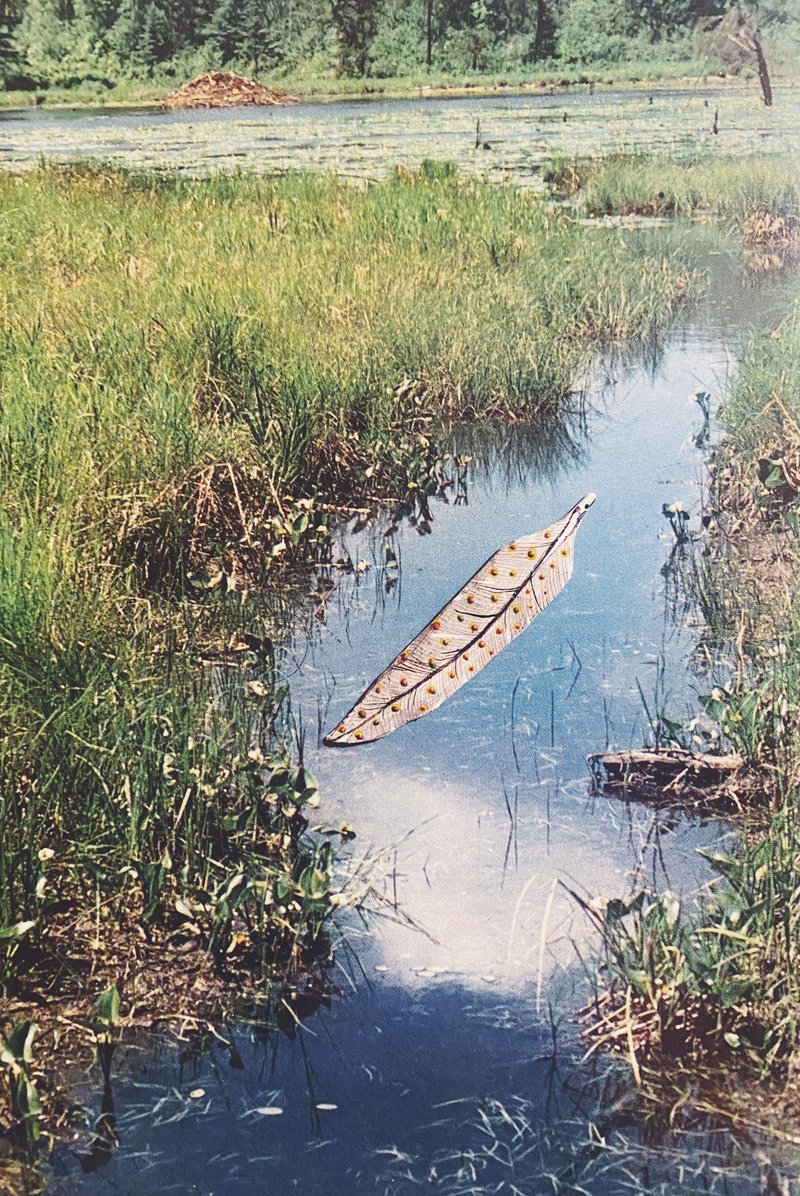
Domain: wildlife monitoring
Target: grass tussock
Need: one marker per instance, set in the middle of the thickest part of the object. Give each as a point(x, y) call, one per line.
point(720, 981)
point(646, 185)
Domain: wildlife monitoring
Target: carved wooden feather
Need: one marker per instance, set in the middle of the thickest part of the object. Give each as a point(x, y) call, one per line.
point(504, 596)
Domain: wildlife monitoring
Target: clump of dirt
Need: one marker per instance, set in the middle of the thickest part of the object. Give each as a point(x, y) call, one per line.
point(220, 89)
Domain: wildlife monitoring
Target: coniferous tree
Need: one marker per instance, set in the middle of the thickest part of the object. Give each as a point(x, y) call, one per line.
point(9, 59)
point(246, 32)
point(356, 23)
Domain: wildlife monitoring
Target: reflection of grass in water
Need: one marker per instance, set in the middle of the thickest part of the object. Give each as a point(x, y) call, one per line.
point(587, 1140)
point(530, 452)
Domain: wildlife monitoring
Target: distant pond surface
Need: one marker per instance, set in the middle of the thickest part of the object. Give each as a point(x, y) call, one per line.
point(366, 138)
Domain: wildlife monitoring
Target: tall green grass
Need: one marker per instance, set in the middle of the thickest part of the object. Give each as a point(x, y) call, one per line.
point(181, 358)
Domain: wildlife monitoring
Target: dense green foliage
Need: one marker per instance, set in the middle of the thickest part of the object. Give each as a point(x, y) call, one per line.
point(64, 42)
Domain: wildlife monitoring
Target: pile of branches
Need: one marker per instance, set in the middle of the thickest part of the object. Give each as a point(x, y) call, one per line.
point(220, 89)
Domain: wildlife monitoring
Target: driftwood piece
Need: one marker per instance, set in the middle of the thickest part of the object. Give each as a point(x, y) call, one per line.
point(666, 774)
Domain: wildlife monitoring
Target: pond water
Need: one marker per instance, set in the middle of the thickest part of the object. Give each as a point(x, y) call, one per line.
point(365, 139)
point(452, 1058)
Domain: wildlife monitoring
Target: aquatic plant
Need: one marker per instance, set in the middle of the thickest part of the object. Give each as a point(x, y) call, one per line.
point(718, 979)
point(656, 185)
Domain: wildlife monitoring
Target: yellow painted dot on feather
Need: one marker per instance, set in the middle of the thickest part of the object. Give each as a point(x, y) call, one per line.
point(517, 626)
point(375, 722)
point(512, 573)
point(491, 651)
point(494, 597)
point(451, 673)
point(423, 708)
point(403, 681)
point(395, 706)
point(378, 688)
point(444, 642)
point(359, 734)
point(532, 554)
point(494, 571)
point(470, 598)
point(474, 626)
point(564, 552)
point(516, 608)
point(465, 656)
point(436, 624)
point(404, 656)
point(548, 535)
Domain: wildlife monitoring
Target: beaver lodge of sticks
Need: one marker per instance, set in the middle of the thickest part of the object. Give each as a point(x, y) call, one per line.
point(220, 89)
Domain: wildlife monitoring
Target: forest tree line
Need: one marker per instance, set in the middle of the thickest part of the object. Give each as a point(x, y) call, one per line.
point(67, 42)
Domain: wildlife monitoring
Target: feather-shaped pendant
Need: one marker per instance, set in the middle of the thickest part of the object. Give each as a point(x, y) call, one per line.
point(504, 596)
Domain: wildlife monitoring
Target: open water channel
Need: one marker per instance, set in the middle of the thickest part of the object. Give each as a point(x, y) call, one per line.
point(452, 1058)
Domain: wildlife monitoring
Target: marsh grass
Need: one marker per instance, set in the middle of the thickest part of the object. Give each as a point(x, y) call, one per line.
point(193, 377)
point(651, 185)
point(184, 361)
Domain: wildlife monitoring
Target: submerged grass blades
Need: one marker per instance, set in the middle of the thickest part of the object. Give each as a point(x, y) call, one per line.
point(495, 605)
